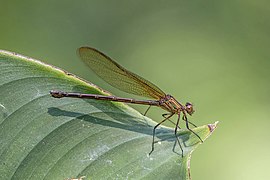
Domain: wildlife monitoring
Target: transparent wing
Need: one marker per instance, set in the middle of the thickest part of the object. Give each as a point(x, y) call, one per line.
point(117, 76)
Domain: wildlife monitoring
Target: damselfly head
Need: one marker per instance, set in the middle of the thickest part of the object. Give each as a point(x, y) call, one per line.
point(189, 108)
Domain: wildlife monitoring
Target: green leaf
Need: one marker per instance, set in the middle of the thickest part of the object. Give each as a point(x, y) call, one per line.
point(46, 138)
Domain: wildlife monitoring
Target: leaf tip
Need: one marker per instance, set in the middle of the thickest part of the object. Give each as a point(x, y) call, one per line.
point(212, 127)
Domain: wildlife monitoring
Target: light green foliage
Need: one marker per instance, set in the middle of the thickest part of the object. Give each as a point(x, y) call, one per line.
point(46, 138)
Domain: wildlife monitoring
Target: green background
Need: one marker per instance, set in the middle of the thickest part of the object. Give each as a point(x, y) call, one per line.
point(212, 53)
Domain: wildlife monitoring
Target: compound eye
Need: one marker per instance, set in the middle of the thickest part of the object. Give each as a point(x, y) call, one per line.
point(189, 108)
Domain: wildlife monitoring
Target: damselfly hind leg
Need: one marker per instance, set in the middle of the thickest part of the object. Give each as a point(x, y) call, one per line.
point(175, 133)
point(147, 110)
point(165, 115)
point(154, 132)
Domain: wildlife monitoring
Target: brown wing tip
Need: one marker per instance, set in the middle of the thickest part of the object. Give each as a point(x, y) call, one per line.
point(80, 50)
point(85, 49)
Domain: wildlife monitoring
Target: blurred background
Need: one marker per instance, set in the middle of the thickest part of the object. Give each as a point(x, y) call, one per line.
point(212, 53)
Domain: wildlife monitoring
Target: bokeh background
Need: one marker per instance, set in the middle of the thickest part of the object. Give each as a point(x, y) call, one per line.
point(212, 53)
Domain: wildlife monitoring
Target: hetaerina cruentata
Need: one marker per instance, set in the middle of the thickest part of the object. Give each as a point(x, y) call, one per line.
point(124, 80)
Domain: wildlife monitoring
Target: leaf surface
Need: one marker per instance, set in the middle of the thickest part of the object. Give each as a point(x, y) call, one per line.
point(46, 138)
